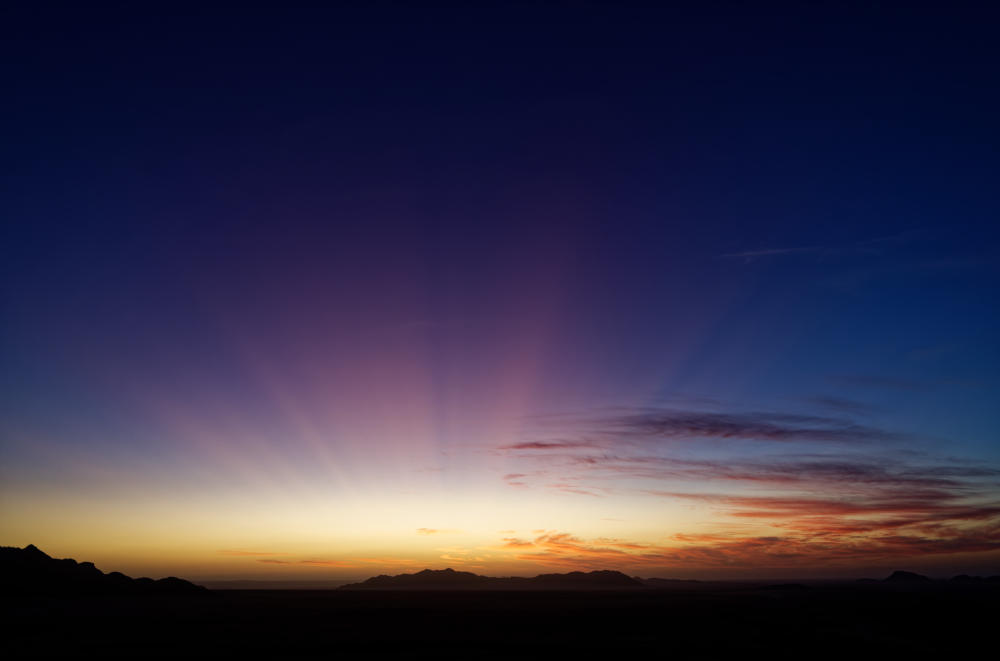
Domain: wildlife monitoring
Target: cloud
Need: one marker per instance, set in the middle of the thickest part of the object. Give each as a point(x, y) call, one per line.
point(842, 405)
point(661, 425)
point(961, 471)
point(873, 247)
point(806, 472)
point(728, 550)
point(780, 427)
point(917, 507)
point(844, 500)
point(883, 519)
point(329, 563)
point(437, 531)
point(514, 542)
point(319, 563)
point(237, 552)
point(627, 451)
point(547, 445)
point(572, 488)
point(645, 444)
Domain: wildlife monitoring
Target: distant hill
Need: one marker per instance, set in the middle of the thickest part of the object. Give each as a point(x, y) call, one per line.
point(449, 579)
point(965, 579)
point(31, 571)
point(906, 577)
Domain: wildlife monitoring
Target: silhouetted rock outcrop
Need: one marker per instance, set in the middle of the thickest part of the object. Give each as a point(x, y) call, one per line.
point(965, 579)
point(31, 571)
point(586, 580)
point(449, 579)
point(428, 579)
point(906, 577)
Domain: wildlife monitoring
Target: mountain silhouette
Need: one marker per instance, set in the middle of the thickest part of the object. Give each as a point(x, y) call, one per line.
point(449, 579)
point(900, 576)
point(423, 580)
point(975, 580)
point(31, 571)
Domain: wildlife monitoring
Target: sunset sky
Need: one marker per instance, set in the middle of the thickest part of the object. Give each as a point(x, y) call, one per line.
point(323, 294)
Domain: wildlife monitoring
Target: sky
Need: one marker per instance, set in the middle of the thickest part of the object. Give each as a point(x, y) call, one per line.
point(700, 291)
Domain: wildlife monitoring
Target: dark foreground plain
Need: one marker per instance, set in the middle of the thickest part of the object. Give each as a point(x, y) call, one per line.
point(942, 620)
point(60, 608)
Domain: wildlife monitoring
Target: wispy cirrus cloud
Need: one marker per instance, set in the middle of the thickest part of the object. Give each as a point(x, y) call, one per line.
point(884, 511)
point(825, 488)
point(313, 563)
point(842, 405)
point(864, 248)
point(571, 487)
point(548, 445)
point(828, 510)
point(515, 479)
point(860, 473)
point(516, 543)
point(665, 444)
point(795, 548)
point(761, 426)
point(664, 425)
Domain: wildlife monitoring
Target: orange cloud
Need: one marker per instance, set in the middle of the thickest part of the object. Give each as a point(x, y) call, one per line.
point(328, 563)
point(513, 542)
point(794, 548)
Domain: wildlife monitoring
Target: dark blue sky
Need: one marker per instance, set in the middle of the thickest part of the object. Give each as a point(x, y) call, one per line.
point(522, 210)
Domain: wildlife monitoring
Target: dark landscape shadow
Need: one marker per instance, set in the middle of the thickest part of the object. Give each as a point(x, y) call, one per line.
point(905, 616)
